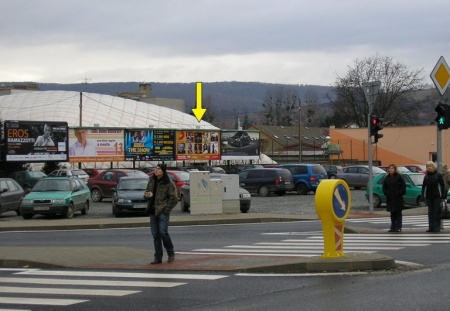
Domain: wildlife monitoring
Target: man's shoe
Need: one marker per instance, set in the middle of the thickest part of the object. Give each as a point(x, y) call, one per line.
point(156, 261)
point(171, 258)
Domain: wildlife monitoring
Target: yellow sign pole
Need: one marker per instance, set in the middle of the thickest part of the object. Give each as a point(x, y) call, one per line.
point(333, 201)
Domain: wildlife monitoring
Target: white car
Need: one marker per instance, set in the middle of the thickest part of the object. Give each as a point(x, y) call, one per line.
point(70, 172)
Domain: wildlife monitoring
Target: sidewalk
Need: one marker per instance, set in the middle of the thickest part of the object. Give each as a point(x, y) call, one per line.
point(137, 258)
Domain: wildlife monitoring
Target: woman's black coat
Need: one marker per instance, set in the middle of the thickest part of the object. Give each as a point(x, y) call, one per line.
point(394, 187)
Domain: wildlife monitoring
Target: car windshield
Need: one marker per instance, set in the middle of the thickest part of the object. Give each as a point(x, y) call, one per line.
point(137, 174)
point(378, 170)
point(133, 184)
point(417, 179)
point(52, 185)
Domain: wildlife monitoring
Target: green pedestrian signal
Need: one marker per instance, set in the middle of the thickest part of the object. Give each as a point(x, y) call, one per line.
point(443, 116)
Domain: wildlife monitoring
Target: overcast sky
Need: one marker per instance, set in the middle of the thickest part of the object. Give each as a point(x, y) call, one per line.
point(274, 41)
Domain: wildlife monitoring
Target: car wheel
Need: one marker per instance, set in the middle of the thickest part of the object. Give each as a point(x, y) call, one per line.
point(85, 210)
point(244, 210)
point(27, 216)
point(263, 191)
point(421, 202)
point(18, 212)
point(184, 206)
point(96, 195)
point(116, 212)
point(376, 201)
point(69, 212)
point(302, 189)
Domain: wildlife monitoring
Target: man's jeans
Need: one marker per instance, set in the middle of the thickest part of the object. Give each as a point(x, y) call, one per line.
point(160, 231)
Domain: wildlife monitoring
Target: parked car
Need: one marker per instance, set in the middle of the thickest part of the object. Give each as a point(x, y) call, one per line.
point(239, 168)
point(401, 169)
point(101, 184)
point(306, 176)
point(92, 171)
point(266, 180)
point(413, 194)
point(212, 169)
point(332, 170)
point(416, 168)
point(79, 173)
point(245, 198)
point(357, 176)
point(128, 196)
point(11, 195)
point(27, 179)
point(178, 177)
point(56, 195)
point(240, 139)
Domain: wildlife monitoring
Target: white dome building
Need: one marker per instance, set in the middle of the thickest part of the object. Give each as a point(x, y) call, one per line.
point(91, 109)
point(94, 110)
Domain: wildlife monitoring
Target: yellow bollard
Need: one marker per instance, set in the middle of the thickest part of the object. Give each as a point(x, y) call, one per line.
point(333, 201)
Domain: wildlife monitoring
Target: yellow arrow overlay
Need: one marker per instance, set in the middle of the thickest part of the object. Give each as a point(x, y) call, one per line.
point(199, 111)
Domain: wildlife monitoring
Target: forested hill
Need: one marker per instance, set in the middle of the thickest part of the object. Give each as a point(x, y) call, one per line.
point(228, 98)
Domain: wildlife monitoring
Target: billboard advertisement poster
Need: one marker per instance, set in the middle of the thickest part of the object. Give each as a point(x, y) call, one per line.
point(35, 141)
point(240, 145)
point(87, 144)
point(149, 145)
point(198, 145)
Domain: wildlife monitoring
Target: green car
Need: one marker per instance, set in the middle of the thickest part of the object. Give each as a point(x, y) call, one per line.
point(413, 194)
point(56, 195)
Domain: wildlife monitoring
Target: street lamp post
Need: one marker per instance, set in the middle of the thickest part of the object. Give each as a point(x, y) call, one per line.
point(299, 131)
point(315, 138)
point(285, 148)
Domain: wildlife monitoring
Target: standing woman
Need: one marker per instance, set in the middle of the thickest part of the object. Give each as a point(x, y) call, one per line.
point(162, 196)
point(394, 188)
point(433, 192)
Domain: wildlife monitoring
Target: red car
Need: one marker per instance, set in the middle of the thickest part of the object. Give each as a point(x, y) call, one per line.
point(178, 177)
point(101, 184)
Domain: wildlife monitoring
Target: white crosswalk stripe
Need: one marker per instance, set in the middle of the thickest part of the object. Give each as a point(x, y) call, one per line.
point(80, 285)
point(311, 243)
point(408, 222)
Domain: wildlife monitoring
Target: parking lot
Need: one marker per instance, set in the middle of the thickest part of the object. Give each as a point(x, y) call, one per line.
point(289, 204)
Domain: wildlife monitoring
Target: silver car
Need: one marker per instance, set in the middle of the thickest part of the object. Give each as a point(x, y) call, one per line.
point(357, 176)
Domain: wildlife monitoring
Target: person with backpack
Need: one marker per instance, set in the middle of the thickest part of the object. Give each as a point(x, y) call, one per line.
point(433, 192)
point(394, 188)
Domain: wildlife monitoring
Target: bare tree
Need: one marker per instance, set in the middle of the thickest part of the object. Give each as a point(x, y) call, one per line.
point(396, 102)
point(280, 107)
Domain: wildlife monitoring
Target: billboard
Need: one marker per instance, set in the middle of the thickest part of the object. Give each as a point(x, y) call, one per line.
point(240, 145)
point(93, 144)
point(149, 145)
point(35, 141)
point(198, 145)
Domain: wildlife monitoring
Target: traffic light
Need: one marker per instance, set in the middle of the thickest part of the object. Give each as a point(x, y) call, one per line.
point(443, 114)
point(376, 125)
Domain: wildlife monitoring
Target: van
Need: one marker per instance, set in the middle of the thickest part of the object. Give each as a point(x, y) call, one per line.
point(266, 180)
point(306, 176)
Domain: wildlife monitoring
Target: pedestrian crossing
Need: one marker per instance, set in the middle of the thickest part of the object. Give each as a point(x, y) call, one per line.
point(311, 243)
point(35, 287)
point(408, 222)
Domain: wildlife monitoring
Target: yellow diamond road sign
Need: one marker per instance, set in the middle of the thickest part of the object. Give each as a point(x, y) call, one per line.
point(441, 75)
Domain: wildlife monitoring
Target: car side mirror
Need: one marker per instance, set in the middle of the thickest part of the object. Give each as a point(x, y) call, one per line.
point(4, 190)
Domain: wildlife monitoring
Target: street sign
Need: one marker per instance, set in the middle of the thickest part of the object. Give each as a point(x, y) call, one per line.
point(441, 75)
point(371, 91)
